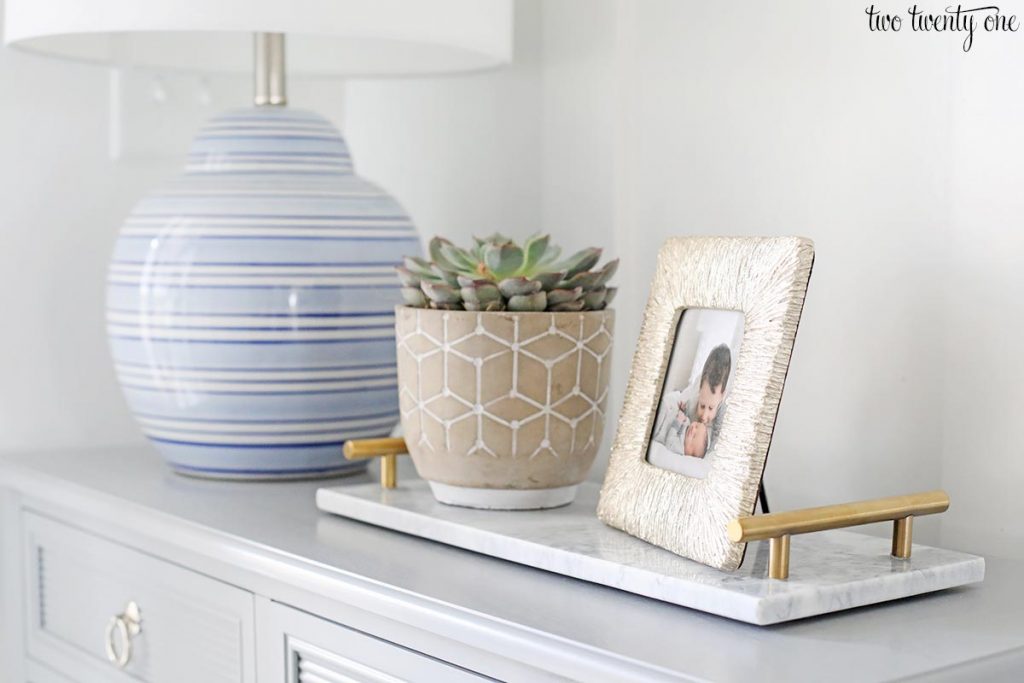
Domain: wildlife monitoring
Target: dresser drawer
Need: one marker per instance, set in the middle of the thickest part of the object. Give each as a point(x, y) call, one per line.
point(190, 627)
point(296, 647)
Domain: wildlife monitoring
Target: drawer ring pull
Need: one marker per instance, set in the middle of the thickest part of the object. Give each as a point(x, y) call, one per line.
point(125, 625)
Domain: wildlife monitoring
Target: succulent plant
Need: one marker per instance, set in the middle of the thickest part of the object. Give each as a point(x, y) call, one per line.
point(499, 275)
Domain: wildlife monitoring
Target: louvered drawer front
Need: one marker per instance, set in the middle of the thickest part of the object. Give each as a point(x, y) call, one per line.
point(319, 651)
point(183, 626)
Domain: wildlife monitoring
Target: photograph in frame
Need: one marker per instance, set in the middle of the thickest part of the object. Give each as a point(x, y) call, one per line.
point(695, 394)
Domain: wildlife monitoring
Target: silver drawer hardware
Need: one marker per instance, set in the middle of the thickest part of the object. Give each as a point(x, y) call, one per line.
point(123, 628)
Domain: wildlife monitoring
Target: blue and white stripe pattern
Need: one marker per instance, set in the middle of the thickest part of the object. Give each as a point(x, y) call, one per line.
point(250, 303)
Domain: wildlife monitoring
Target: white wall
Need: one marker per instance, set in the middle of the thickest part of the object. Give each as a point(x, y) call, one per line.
point(979, 301)
point(61, 201)
point(462, 153)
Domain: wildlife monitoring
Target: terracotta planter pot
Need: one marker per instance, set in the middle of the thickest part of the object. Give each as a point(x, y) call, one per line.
point(503, 410)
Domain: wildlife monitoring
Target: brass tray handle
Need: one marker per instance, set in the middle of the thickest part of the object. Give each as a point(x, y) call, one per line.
point(387, 450)
point(779, 526)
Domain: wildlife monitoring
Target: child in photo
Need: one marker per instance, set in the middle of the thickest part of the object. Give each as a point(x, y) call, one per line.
point(678, 432)
point(695, 441)
point(699, 407)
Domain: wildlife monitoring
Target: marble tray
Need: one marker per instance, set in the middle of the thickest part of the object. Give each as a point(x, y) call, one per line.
point(829, 571)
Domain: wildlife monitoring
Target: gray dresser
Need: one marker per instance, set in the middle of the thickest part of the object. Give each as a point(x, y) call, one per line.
point(107, 555)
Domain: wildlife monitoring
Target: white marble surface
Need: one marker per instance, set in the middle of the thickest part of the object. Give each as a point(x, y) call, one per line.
point(829, 571)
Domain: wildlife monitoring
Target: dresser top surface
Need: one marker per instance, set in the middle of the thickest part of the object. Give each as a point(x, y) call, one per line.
point(974, 625)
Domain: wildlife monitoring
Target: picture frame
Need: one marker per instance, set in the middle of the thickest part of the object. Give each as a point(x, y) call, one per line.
point(765, 279)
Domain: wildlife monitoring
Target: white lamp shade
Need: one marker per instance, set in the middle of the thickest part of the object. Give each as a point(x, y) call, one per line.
point(325, 37)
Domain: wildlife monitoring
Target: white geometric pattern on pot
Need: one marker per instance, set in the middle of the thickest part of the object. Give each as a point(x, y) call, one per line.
point(514, 384)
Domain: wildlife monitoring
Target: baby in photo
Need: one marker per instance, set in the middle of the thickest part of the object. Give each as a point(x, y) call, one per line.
point(677, 431)
point(690, 420)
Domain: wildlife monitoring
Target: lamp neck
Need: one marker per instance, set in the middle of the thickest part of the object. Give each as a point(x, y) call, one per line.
point(268, 54)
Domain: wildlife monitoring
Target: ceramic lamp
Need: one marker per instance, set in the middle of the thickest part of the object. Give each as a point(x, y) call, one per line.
point(251, 300)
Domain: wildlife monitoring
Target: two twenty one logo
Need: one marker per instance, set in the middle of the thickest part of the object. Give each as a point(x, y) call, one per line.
point(966, 21)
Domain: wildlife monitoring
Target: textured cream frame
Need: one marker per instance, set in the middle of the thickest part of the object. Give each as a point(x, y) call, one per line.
point(766, 279)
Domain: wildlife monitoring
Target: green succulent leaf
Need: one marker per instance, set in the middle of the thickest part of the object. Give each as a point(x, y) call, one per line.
point(414, 296)
point(434, 248)
point(443, 256)
point(587, 280)
point(561, 296)
point(518, 286)
point(548, 281)
point(481, 293)
point(581, 261)
point(419, 267)
point(493, 238)
point(489, 293)
point(610, 293)
point(498, 274)
point(537, 302)
point(407, 277)
point(607, 272)
point(440, 293)
point(446, 276)
point(594, 299)
point(550, 259)
point(460, 257)
point(536, 248)
point(478, 248)
point(504, 259)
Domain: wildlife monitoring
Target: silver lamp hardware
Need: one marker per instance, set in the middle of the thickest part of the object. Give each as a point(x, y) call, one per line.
point(268, 68)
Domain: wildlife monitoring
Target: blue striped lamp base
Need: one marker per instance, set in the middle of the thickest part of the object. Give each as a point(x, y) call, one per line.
point(250, 302)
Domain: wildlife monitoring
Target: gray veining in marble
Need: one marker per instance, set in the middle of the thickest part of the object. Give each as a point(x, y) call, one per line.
point(829, 571)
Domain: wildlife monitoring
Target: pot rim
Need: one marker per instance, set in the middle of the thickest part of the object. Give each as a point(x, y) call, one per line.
point(399, 307)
